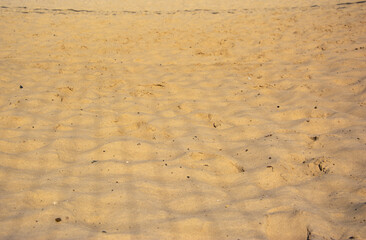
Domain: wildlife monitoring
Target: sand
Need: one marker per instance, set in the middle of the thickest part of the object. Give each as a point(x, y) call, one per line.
point(182, 119)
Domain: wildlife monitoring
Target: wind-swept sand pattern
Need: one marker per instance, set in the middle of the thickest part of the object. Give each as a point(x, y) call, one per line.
point(237, 120)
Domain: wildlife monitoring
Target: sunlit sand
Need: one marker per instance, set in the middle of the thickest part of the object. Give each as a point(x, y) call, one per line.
point(182, 120)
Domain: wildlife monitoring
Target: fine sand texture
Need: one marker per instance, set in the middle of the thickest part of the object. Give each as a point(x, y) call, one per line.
point(183, 120)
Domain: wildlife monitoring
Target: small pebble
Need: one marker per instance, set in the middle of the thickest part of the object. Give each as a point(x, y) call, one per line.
point(314, 138)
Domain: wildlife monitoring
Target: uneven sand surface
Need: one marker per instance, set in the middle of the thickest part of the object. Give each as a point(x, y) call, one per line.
point(207, 120)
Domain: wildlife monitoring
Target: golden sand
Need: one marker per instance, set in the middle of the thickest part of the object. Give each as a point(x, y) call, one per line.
point(182, 120)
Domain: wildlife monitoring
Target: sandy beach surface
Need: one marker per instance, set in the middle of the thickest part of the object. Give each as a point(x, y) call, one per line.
point(183, 119)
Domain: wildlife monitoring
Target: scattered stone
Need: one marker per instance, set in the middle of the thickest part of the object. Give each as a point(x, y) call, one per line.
point(315, 138)
point(58, 219)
